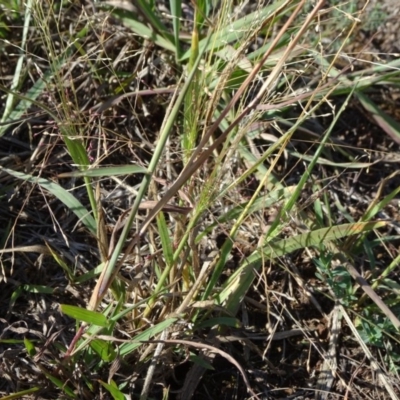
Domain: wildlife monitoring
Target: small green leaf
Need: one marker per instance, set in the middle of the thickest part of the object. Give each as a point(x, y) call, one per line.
point(30, 348)
point(38, 289)
point(128, 19)
point(28, 288)
point(104, 349)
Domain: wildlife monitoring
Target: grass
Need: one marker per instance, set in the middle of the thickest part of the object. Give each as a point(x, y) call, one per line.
point(176, 188)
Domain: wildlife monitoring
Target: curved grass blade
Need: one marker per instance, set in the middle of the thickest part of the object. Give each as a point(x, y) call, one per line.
point(128, 19)
point(239, 283)
point(63, 195)
point(385, 121)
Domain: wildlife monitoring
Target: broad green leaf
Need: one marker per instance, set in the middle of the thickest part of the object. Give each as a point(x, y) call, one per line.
point(84, 315)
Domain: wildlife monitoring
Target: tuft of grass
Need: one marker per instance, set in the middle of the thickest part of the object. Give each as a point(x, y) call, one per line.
point(185, 170)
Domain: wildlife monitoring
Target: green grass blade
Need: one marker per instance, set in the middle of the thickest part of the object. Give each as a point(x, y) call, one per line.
point(375, 208)
point(239, 283)
point(291, 202)
point(152, 17)
point(22, 107)
point(385, 121)
point(176, 11)
point(18, 70)
point(165, 239)
point(113, 390)
point(106, 171)
point(60, 384)
point(239, 29)
point(129, 20)
point(146, 335)
point(63, 195)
